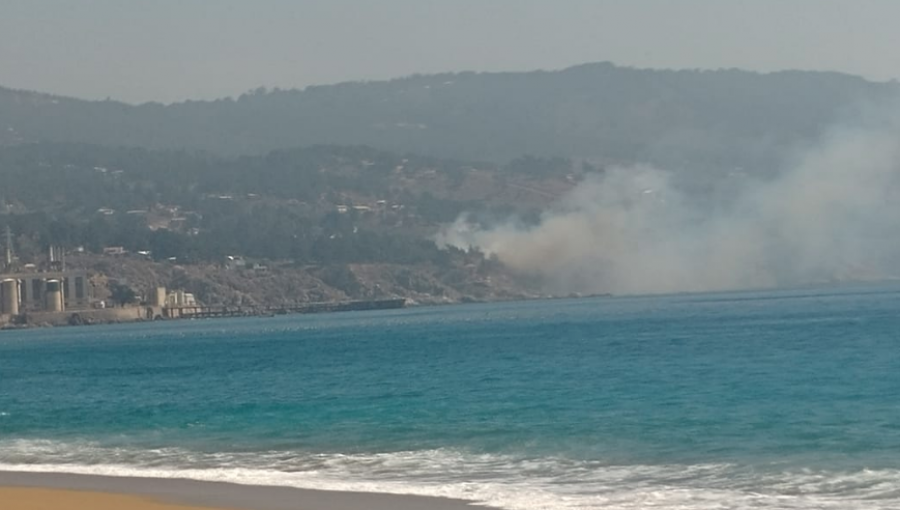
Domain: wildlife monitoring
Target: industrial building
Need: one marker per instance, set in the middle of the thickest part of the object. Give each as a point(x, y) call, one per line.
point(44, 291)
point(53, 289)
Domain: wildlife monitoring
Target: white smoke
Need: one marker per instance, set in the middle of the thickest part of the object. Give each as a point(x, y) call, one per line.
point(832, 215)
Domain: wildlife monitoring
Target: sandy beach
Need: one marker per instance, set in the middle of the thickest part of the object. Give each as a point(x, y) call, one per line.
point(19, 498)
point(51, 491)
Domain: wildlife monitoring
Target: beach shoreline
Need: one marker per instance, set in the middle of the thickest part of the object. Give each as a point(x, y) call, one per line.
point(46, 490)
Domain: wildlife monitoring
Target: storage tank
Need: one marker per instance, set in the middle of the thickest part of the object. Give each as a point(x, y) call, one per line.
point(54, 296)
point(159, 297)
point(9, 303)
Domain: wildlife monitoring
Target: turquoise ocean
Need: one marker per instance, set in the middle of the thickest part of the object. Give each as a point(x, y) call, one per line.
point(750, 400)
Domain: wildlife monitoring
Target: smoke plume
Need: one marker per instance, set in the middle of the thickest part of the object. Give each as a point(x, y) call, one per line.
point(833, 214)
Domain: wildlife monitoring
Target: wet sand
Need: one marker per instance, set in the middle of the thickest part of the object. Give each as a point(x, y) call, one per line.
point(19, 498)
point(52, 491)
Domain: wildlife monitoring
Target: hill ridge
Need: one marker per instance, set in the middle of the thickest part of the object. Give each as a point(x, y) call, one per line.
point(599, 112)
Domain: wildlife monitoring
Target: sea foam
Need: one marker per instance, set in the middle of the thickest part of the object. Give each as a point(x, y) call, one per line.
point(500, 481)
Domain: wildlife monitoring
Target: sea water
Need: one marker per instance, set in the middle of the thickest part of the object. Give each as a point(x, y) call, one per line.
point(776, 400)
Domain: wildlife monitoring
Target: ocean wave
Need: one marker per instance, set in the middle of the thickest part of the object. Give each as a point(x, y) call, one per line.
point(502, 481)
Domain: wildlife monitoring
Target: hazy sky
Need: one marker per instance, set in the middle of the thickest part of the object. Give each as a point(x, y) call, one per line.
point(169, 50)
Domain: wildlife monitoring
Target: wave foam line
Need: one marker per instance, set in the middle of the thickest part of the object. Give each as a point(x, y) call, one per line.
point(494, 480)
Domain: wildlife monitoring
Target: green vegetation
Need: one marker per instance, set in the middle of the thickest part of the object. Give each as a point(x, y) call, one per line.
point(325, 204)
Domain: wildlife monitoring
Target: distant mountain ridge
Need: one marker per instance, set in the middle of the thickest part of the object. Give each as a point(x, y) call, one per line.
point(601, 112)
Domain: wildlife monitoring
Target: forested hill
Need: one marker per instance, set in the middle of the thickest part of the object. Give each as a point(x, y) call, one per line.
point(323, 223)
point(701, 119)
point(317, 204)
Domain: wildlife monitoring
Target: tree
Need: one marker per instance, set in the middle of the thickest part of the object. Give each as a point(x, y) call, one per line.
point(122, 294)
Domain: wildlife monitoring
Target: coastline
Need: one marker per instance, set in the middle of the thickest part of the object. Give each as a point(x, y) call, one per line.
point(183, 494)
point(149, 313)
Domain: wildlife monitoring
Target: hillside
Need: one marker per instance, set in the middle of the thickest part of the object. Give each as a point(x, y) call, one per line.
point(97, 194)
point(325, 222)
point(599, 112)
point(543, 191)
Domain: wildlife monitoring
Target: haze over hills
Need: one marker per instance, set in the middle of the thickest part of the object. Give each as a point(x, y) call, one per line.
point(601, 112)
point(468, 186)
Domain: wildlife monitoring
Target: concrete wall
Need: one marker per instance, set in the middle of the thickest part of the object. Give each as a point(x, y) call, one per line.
point(107, 315)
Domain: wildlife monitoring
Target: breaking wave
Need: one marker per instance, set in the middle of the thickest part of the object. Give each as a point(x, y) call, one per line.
point(502, 481)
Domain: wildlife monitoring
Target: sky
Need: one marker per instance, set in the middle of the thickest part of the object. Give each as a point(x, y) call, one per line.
point(174, 50)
